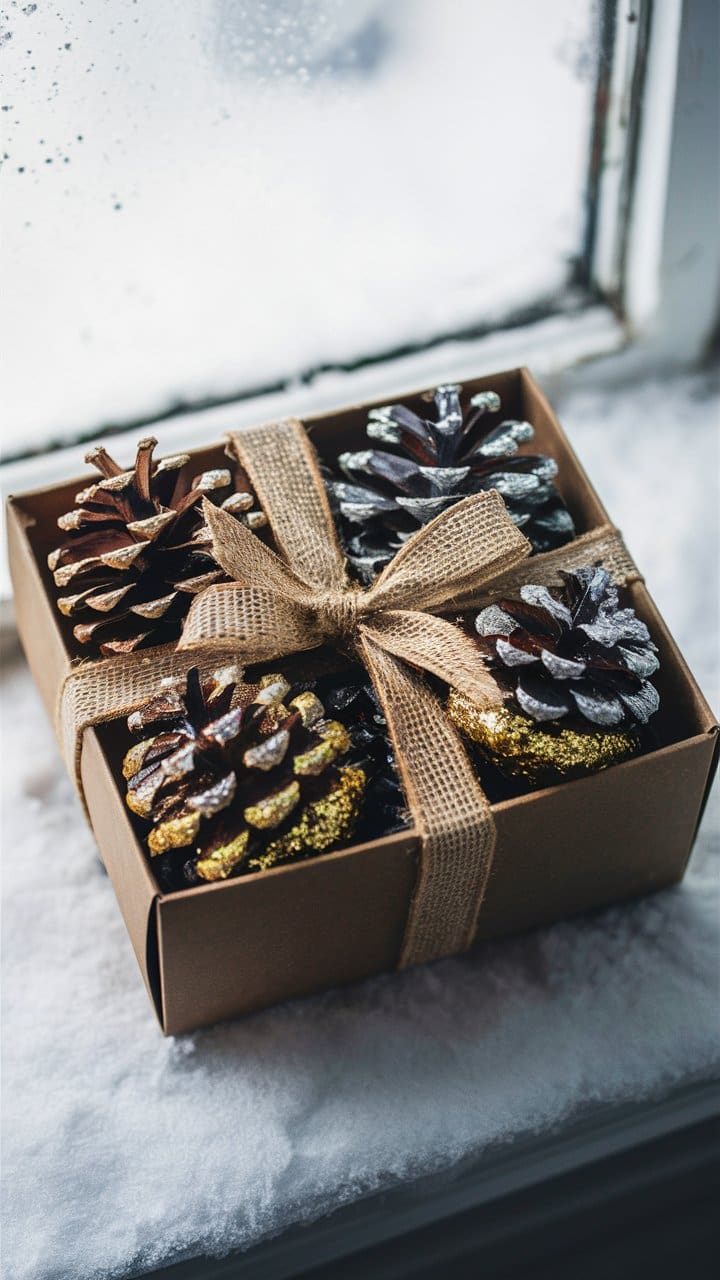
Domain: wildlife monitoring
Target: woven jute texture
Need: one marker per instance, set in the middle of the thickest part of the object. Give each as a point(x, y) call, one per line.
point(280, 462)
point(275, 605)
point(453, 817)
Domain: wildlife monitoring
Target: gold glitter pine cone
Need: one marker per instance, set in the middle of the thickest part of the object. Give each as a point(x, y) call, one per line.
point(521, 748)
point(233, 780)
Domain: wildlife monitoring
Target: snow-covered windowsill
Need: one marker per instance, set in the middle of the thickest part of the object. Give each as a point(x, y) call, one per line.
point(125, 1152)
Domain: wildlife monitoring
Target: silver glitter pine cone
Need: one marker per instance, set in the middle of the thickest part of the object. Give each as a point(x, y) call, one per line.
point(576, 665)
point(427, 464)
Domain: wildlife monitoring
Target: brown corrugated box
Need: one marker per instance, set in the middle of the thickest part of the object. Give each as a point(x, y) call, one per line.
point(222, 949)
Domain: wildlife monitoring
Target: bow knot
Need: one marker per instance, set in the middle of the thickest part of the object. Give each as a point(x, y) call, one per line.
point(338, 614)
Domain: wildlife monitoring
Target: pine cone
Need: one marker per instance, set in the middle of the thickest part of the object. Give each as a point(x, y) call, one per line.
point(241, 785)
point(138, 549)
point(577, 655)
point(349, 694)
point(435, 465)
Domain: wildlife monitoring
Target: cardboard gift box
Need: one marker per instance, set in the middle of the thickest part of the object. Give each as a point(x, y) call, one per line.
point(225, 948)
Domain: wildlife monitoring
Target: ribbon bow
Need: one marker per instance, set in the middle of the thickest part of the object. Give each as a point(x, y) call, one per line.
point(270, 609)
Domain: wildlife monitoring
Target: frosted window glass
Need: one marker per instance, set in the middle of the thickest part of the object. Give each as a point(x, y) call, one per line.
point(202, 198)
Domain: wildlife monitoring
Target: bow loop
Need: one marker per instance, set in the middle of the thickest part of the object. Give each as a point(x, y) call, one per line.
point(465, 546)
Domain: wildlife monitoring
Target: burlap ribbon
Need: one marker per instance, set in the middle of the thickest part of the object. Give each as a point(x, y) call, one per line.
point(281, 604)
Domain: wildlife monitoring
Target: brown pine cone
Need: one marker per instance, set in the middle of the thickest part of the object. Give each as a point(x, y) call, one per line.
point(138, 548)
point(239, 784)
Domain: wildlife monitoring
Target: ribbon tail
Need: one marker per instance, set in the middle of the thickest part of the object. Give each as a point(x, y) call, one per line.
point(603, 545)
point(452, 815)
point(284, 472)
point(436, 645)
point(256, 624)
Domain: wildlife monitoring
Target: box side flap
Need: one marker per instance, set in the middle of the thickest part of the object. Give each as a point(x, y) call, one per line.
point(35, 615)
point(714, 733)
point(244, 944)
point(683, 708)
point(132, 880)
point(585, 503)
point(588, 844)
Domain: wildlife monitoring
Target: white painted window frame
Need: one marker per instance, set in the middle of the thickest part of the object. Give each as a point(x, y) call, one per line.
point(656, 247)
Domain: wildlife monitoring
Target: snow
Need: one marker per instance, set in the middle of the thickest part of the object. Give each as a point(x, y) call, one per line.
point(123, 1150)
point(201, 199)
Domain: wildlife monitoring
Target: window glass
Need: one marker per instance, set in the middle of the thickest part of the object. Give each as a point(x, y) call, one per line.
point(203, 197)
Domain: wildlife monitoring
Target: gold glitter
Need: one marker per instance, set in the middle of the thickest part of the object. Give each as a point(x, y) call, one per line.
point(150, 528)
point(143, 785)
point(134, 758)
point(238, 502)
point(154, 608)
point(518, 746)
point(323, 823)
point(140, 802)
point(273, 810)
point(310, 707)
point(335, 741)
point(219, 864)
point(71, 520)
point(256, 519)
point(173, 834)
point(65, 574)
point(122, 557)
